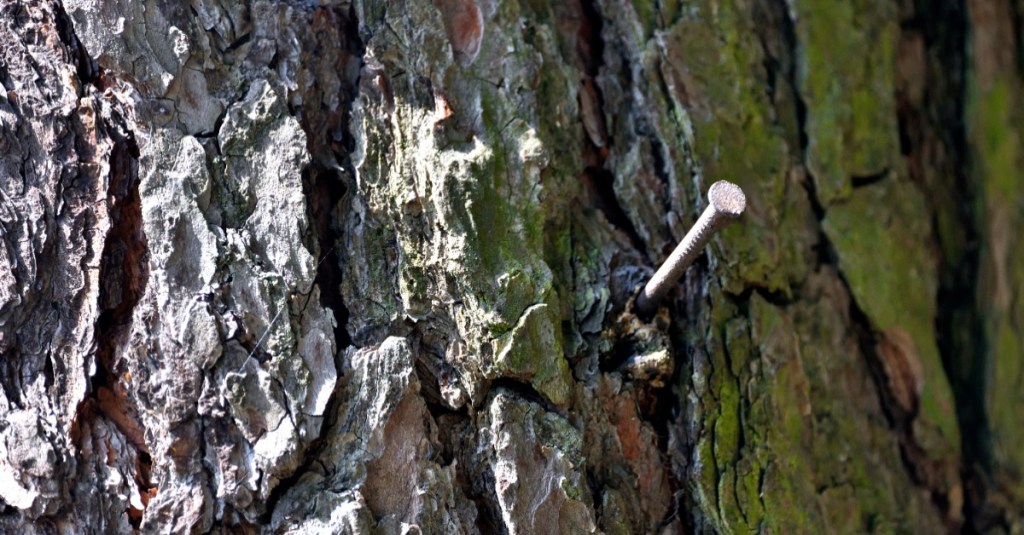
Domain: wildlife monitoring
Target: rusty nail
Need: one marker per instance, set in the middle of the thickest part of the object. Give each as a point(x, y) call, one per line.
point(725, 203)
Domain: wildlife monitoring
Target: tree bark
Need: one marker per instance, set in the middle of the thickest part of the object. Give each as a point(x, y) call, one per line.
point(369, 266)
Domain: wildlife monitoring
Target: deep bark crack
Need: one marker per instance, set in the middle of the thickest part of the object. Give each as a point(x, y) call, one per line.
point(123, 267)
point(912, 454)
point(325, 186)
point(935, 119)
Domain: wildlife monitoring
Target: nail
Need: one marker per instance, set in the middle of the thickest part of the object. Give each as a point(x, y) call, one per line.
point(726, 203)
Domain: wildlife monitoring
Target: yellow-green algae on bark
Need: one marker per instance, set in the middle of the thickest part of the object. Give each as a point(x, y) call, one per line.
point(788, 451)
point(847, 53)
point(708, 58)
point(996, 138)
point(789, 433)
point(466, 171)
point(882, 234)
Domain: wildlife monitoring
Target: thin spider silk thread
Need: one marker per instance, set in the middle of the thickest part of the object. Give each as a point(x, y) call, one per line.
point(278, 315)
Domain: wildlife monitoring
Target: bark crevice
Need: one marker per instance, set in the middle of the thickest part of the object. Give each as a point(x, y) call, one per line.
point(932, 119)
point(923, 471)
point(326, 182)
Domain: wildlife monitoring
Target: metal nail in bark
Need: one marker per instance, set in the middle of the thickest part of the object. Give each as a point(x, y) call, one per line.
point(725, 203)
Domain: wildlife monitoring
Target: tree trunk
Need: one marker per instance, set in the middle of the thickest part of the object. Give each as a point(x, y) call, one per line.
point(369, 266)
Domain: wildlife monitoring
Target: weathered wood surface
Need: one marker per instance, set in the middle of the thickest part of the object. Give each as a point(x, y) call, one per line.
point(351, 267)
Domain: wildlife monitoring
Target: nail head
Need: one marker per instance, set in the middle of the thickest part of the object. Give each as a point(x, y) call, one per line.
point(727, 198)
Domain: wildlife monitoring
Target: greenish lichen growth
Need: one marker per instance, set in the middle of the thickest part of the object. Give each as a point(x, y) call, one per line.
point(996, 139)
point(737, 137)
point(781, 393)
point(783, 447)
point(848, 54)
point(883, 238)
point(474, 199)
point(815, 472)
point(532, 350)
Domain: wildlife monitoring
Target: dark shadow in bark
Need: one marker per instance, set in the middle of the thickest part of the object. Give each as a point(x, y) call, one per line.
point(325, 183)
point(124, 267)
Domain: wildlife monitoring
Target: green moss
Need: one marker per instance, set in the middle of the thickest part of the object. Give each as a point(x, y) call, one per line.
point(884, 253)
point(500, 207)
point(772, 430)
point(730, 464)
point(818, 461)
point(712, 55)
point(515, 293)
point(847, 84)
point(705, 488)
point(558, 256)
point(997, 140)
point(532, 351)
point(556, 102)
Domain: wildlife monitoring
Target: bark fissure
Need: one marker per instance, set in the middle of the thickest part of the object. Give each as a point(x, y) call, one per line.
point(1017, 11)
point(325, 183)
point(123, 270)
point(932, 124)
point(368, 266)
point(923, 472)
point(868, 180)
point(649, 391)
point(325, 192)
point(601, 185)
point(596, 178)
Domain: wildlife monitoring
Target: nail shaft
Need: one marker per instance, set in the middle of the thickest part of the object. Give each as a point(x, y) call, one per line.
point(725, 203)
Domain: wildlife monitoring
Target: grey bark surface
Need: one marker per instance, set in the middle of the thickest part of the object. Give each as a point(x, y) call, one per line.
point(369, 267)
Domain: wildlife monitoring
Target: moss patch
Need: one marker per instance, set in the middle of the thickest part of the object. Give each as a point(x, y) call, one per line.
point(532, 351)
point(846, 80)
point(882, 235)
point(710, 68)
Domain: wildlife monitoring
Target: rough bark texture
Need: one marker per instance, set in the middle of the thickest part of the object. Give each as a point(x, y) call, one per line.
point(367, 266)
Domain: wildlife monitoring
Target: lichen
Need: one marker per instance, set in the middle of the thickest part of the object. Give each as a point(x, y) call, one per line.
point(847, 57)
point(884, 254)
point(996, 139)
point(736, 137)
point(532, 350)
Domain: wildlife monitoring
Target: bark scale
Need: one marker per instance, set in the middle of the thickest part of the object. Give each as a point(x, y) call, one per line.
point(367, 266)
